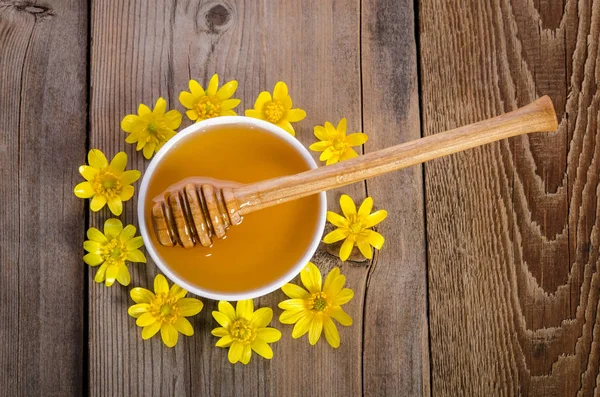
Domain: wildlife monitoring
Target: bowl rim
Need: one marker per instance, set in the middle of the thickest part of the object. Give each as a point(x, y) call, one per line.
point(203, 127)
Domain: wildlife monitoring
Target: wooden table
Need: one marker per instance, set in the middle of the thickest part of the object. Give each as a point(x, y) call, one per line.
point(489, 280)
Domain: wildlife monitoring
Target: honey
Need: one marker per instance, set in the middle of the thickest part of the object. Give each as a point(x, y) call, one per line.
point(269, 242)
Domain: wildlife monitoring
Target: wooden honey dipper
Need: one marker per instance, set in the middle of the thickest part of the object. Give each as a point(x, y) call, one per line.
point(193, 213)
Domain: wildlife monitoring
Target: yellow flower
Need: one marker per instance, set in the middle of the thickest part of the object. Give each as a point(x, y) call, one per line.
point(243, 330)
point(151, 128)
point(334, 143)
point(278, 109)
point(111, 250)
point(355, 227)
point(211, 103)
point(312, 311)
point(165, 310)
point(106, 182)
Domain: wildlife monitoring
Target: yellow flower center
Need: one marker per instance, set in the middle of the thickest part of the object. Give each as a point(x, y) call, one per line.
point(208, 108)
point(114, 252)
point(152, 128)
point(164, 308)
point(318, 302)
point(107, 184)
point(274, 111)
point(356, 227)
point(242, 330)
point(339, 144)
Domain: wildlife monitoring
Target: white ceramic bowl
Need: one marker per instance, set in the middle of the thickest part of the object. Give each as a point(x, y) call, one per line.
point(200, 128)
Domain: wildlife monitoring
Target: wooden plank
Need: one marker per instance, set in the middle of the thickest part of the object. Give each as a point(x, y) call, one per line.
point(513, 227)
point(396, 347)
point(145, 49)
point(42, 143)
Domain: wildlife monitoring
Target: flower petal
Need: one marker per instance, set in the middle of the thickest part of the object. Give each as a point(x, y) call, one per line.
point(227, 90)
point(119, 162)
point(97, 203)
point(291, 316)
point(196, 89)
point(227, 309)
point(97, 159)
point(364, 248)
point(262, 99)
point(93, 259)
point(254, 114)
point(187, 99)
point(335, 157)
point(375, 239)
point(212, 85)
point(229, 104)
point(84, 190)
point(132, 138)
point(150, 330)
point(184, 326)
point(347, 205)
point(262, 349)
point(228, 113)
point(173, 119)
point(337, 220)
point(287, 127)
point(341, 316)
point(219, 331)
point(365, 207)
point(169, 334)
point(357, 139)
point(280, 92)
point(225, 341)
point(160, 284)
point(189, 306)
point(262, 317)
point(335, 284)
point(341, 127)
point(143, 110)
point(127, 233)
point(92, 247)
point(268, 335)
point(138, 309)
point(321, 133)
point(126, 193)
point(123, 276)
point(160, 107)
point(295, 115)
point(246, 354)
point(294, 291)
point(348, 154)
point(311, 278)
point(112, 228)
point(101, 273)
point(375, 218)
point(302, 326)
point(336, 235)
point(314, 330)
point(293, 304)
point(89, 173)
point(141, 295)
point(145, 319)
point(235, 352)
point(327, 153)
point(148, 150)
point(343, 297)
point(133, 243)
point(346, 249)
point(115, 205)
point(128, 177)
point(129, 122)
point(177, 292)
point(244, 309)
point(320, 146)
point(331, 333)
point(330, 279)
point(96, 235)
point(136, 256)
point(111, 274)
point(330, 130)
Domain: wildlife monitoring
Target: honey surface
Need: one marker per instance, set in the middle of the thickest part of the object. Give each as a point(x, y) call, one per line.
point(268, 242)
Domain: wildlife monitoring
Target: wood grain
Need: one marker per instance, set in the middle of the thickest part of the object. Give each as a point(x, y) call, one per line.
point(42, 142)
point(396, 346)
point(514, 274)
point(145, 49)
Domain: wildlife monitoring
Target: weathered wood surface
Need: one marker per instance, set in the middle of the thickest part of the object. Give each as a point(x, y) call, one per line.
point(512, 228)
point(43, 105)
point(508, 255)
